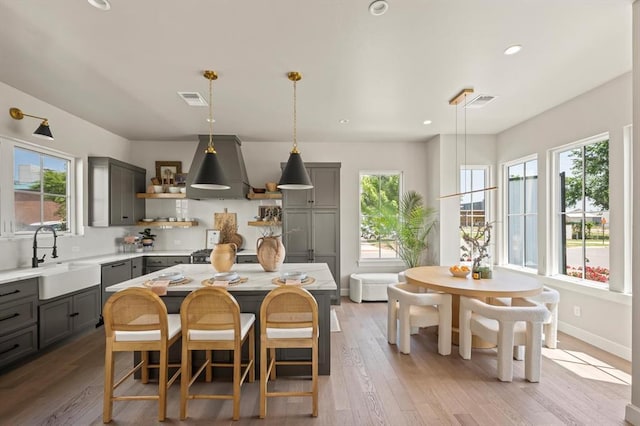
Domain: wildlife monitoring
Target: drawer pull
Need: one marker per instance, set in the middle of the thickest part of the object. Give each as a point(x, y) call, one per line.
point(15, 346)
point(75, 314)
point(117, 265)
point(10, 316)
point(10, 293)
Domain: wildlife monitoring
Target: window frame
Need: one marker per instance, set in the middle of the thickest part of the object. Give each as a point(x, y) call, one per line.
point(395, 261)
point(505, 213)
point(554, 243)
point(488, 214)
point(7, 193)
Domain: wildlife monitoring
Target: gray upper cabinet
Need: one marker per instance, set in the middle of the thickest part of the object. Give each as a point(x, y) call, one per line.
point(326, 188)
point(311, 220)
point(113, 186)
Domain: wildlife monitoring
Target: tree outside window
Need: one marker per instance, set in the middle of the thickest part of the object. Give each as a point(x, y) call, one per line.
point(584, 211)
point(379, 203)
point(41, 191)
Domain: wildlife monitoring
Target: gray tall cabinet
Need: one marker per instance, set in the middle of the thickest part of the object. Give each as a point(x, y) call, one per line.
point(311, 220)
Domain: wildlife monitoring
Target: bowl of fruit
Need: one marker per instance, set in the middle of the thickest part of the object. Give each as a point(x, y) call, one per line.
point(459, 271)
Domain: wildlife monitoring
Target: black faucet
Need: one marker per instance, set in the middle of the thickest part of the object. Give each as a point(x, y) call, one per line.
point(54, 253)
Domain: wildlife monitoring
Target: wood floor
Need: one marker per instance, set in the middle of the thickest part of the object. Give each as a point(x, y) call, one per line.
point(370, 384)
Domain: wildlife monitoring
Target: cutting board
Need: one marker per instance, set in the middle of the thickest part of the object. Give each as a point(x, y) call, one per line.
point(220, 218)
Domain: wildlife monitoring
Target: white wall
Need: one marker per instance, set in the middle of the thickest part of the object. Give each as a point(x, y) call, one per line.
point(75, 137)
point(604, 109)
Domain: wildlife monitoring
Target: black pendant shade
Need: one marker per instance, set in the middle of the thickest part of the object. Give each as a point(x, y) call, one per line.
point(210, 174)
point(43, 131)
point(295, 175)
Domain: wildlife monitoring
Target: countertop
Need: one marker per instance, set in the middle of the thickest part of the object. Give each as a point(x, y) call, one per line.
point(10, 275)
point(258, 279)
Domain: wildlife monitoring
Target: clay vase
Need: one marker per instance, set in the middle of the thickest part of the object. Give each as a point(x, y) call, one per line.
point(223, 256)
point(270, 251)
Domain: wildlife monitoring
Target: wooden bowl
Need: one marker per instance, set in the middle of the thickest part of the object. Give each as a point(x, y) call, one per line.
point(259, 190)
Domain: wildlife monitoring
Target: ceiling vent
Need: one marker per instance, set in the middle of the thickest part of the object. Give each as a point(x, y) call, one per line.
point(480, 101)
point(193, 98)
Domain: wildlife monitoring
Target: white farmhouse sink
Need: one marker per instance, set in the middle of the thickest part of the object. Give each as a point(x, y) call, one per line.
point(56, 280)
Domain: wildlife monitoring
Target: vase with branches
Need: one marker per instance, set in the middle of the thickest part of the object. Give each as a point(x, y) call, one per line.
point(478, 240)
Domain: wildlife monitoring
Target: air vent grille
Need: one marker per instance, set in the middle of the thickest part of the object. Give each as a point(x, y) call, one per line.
point(480, 101)
point(193, 98)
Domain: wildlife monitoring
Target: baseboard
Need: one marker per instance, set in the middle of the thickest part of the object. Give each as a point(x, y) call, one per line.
point(344, 292)
point(632, 414)
point(597, 341)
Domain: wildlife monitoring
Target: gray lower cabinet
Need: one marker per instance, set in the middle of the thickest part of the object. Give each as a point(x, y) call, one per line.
point(18, 320)
point(246, 258)
point(157, 263)
point(63, 316)
point(137, 267)
point(114, 273)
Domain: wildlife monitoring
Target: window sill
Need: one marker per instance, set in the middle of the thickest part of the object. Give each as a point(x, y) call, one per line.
point(575, 285)
point(383, 263)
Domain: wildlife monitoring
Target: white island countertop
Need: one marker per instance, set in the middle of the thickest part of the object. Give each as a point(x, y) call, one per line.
point(258, 279)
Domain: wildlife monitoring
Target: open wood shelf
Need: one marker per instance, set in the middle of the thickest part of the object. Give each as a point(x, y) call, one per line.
point(265, 196)
point(167, 223)
point(263, 223)
point(161, 195)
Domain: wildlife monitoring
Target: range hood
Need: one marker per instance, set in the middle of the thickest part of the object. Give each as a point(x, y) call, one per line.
point(230, 156)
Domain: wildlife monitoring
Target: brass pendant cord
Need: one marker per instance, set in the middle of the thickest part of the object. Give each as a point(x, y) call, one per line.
point(211, 115)
point(295, 117)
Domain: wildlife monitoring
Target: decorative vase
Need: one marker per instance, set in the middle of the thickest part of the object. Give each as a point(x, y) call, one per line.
point(223, 256)
point(270, 251)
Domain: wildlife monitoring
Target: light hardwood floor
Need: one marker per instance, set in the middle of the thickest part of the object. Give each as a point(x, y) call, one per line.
point(371, 383)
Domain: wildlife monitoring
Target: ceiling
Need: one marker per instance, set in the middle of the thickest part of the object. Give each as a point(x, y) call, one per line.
point(121, 69)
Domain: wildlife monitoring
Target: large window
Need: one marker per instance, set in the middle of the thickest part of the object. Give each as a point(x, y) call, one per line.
point(583, 210)
point(379, 202)
point(522, 213)
point(473, 206)
point(38, 185)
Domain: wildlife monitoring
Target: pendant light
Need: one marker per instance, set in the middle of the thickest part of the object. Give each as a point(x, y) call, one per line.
point(295, 175)
point(461, 97)
point(210, 175)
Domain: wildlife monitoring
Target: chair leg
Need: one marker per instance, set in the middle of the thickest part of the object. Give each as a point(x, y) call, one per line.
point(237, 353)
point(314, 379)
point(392, 321)
point(533, 352)
point(162, 385)
point(505, 351)
point(464, 333)
point(209, 369)
point(405, 339)
point(144, 374)
point(518, 353)
point(444, 328)
point(184, 380)
point(252, 354)
point(107, 404)
point(273, 359)
point(263, 379)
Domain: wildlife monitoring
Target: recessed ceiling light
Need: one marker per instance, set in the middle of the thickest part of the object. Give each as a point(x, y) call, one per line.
point(378, 7)
point(426, 122)
point(512, 50)
point(344, 121)
point(100, 4)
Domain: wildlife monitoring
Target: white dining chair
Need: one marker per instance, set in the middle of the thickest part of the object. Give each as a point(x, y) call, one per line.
point(505, 326)
point(413, 308)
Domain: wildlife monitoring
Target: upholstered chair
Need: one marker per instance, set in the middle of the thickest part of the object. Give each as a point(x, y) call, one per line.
point(413, 308)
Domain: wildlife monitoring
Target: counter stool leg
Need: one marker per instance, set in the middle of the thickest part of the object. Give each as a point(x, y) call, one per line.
point(252, 354)
point(107, 403)
point(162, 385)
point(209, 371)
point(263, 380)
point(144, 358)
point(273, 360)
point(184, 381)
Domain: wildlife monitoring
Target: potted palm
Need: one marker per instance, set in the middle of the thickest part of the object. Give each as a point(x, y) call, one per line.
point(415, 222)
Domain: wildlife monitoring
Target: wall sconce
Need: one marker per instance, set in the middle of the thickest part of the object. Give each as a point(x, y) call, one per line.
point(43, 131)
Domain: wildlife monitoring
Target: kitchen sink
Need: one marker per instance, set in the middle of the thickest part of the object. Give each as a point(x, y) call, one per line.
point(62, 278)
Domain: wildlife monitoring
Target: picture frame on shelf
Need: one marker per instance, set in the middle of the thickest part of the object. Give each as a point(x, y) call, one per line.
point(167, 171)
point(212, 238)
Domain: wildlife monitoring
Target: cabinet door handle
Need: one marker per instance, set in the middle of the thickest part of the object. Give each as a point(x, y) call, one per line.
point(10, 316)
point(117, 265)
point(75, 314)
point(125, 217)
point(15, 346)
point(10, 293)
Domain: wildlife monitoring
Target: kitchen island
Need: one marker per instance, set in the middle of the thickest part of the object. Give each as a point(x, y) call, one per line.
point(249, 295)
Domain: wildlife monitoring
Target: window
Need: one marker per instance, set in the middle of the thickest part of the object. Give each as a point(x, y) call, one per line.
point(583, 210)
point(473, 207)
point(522, 213)
point(40, 187)
point(379, 209)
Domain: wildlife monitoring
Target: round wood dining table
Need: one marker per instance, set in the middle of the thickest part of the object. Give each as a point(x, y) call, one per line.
point(504, 283)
